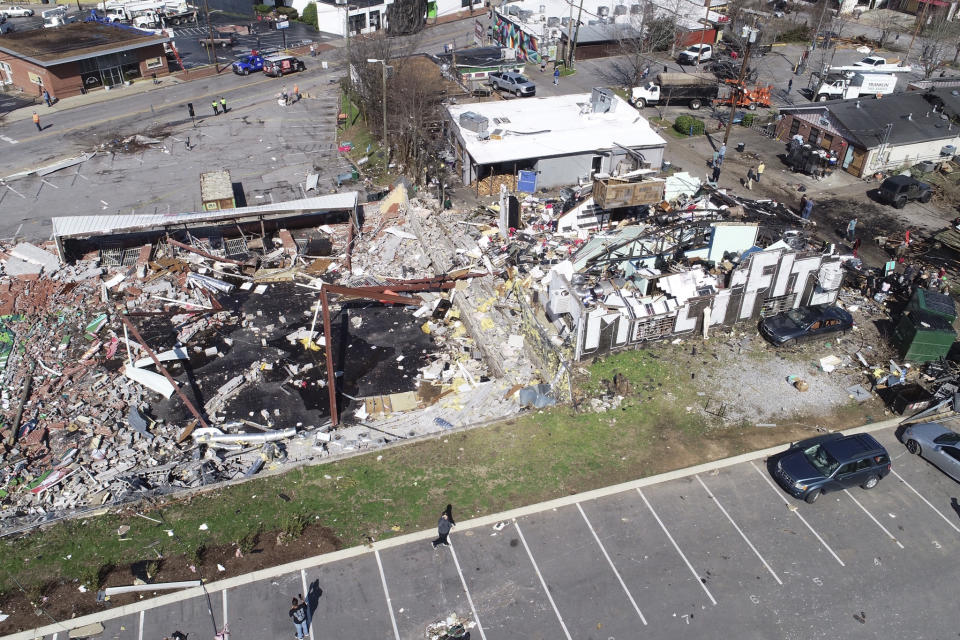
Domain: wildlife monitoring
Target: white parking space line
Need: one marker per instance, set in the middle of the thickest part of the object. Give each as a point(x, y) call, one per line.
point(882, 528)
point(463, 581)
point(739, 530)
point(223, 598)
point(303, 581)
point(542, 581)
point(797, 513)
point(677, 547)
point(139, 632)
point(386, 593)
point(612, 566)
point(939, 513)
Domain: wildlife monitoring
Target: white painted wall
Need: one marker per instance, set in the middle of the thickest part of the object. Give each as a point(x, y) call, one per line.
point(908, 154)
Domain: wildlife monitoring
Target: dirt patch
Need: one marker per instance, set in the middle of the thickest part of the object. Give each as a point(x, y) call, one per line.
point(63, 600)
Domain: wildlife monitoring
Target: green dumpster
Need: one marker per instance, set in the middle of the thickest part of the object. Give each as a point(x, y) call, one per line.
point(922, 336)
point(932, 302)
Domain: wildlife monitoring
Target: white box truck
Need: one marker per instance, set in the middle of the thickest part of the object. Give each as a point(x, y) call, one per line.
point(843, 87)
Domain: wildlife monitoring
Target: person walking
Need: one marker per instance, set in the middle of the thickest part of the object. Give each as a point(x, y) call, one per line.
point(722, 153)
point(748, 182)
point(36, 121)
point(46, 97)
point(216, 107)
point(807, 209)
point(443, 530)
point(296, 92)
point(760, 169)
point(790, 85)
point(851, 229)
point(298, 613)
point(716, 173)
point(223, 104)
point(556, 75)
point(543, 64)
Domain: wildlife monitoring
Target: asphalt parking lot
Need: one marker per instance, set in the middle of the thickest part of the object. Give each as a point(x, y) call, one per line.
point(720, 553)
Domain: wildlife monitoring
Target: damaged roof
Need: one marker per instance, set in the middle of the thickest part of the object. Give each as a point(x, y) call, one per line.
point(76, 41)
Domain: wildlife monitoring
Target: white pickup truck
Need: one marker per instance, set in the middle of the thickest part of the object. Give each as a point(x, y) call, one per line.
point(17, 12)
point(694, 52)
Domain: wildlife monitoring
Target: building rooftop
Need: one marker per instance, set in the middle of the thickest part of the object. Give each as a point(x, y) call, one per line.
point(688, 13)
point(949, 99)
point(553, 126)
point(75, 41)
point(866, 119)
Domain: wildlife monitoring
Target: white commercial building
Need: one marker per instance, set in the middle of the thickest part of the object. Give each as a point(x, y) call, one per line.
point(370, 16)
point(564, 139)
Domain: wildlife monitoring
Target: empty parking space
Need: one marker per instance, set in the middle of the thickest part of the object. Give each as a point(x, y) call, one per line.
point(585, 587)
point(424, 587)
point(509, 598)
point(350, 600)
point(199, 616)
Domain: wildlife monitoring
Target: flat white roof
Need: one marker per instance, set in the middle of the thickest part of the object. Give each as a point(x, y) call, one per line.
point(73, 226)
point(552, 126)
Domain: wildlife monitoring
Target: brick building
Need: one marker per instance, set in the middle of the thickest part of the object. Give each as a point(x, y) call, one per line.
point(79, 57)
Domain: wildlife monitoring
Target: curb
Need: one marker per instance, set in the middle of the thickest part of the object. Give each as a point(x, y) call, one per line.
point(416, 536)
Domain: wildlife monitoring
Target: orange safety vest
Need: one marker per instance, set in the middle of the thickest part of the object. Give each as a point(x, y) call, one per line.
point(36, 118)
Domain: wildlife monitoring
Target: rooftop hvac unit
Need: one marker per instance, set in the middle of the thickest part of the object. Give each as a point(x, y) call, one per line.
point(565, 22)
point(553, 22)
point(473, 121)
point(635, 9)
point(508, 53)
point(601, 100)
point(483, 135)
point(592, 22)
point(603, 11)
point(496, 134)
point(620, 10)
point(525, 15)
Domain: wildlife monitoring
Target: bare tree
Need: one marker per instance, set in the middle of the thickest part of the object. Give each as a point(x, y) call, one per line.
point(888, 25)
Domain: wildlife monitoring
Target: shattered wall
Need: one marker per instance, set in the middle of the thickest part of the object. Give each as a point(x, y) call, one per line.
point(765, 283)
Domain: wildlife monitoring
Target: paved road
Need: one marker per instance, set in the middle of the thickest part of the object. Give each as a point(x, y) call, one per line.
point(722, 552)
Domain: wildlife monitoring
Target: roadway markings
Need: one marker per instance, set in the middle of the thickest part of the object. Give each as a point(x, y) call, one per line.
point(463, 581)
point(945, 519)
point(139, 632)
point(223, 601)
point(10, 140)
point(882, 528)
point(677, 547)
point(797, 513)
point(614, 568)
point(303, 581)
point(386, 593)
point(542, 581)
point(739, 530)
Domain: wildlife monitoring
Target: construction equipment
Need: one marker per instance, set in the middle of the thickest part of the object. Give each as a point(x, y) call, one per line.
point(751, 98)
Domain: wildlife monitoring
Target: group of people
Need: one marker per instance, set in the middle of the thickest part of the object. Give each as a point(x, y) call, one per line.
point(219, 106)
point(909, 280)
point(285, 96)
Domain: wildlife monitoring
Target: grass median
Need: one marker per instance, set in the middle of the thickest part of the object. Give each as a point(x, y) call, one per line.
point(535, 457)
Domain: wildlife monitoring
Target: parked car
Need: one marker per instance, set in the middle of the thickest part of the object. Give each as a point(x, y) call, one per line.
point(247, 65)
point(898, 190)
point(282, 65)
point(512, 82)
point(17, 12)
point(870, 62)
point(804, 323)
point(937, 444)
point(220, 40)
point(690, 54)
point(830, 462)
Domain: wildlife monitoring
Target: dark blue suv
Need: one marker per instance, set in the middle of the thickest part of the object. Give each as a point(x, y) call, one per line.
point(248, 64)
point(830, 462)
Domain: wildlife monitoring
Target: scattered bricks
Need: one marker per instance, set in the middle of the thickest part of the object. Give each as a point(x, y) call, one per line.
point(143, 258)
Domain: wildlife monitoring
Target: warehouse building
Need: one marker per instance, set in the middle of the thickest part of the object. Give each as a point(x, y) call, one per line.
point(562, 139)
point(79, 57)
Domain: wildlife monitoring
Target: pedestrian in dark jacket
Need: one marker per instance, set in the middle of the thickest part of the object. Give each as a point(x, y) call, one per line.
point(443, 530)
point(716, 173)
point(298, 613)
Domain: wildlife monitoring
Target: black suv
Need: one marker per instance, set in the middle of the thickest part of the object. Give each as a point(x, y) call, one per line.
point(830, 462)
point(898, 190)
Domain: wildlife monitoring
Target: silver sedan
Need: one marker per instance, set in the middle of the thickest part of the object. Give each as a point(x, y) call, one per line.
point(937, 444)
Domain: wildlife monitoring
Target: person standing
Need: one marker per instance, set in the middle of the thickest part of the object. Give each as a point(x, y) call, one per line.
point(296, 92)
point(556, 75)
point(216, 107)
point(851, 229)
point(223, 104)
point(284, 95)
point(760, 169)
point(856, 247)
point(790, 85)
point(36, 121)
point(46, 97)
point(808, 209)
point(716, 173)
point(298, 613)
point(443, 530)
point(749, 180)
point(722, 152)
point(543, 64)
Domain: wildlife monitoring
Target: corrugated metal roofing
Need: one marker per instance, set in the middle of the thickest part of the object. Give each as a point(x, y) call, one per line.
point(74, 226)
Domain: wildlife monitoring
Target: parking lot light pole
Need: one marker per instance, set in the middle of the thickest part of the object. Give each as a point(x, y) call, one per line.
point(383, 91)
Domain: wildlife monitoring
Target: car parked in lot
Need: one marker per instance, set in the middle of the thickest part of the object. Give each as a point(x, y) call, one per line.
point(899, 190)
point(830, 462)
point(512, 82)
point(804, 323)
point(695, 52)
point(277, 66)
point(17, 12)
point(936, 443)
point(247, 65)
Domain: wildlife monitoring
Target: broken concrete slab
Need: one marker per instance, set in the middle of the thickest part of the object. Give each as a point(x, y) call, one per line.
point(152, 381)
point(177, 353)
point(35, 255)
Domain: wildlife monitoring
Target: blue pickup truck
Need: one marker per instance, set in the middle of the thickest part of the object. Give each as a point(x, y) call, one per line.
point(247, 64)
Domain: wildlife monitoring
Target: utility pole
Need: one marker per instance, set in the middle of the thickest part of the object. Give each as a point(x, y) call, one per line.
point(212, 49)
point(819, 22)
point(703, 33)
point(738, 88)
point(569, 32)
point(576, 34)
